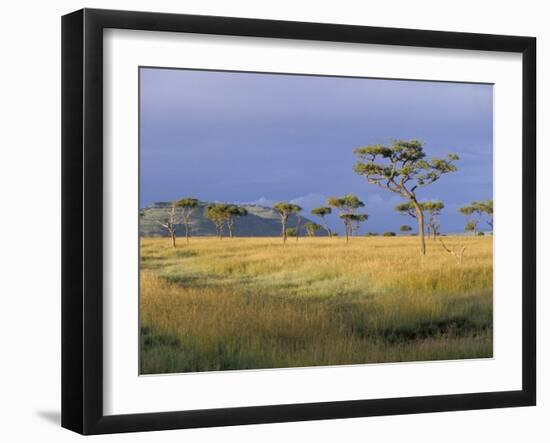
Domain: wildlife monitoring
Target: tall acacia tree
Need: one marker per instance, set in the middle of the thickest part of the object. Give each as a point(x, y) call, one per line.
point(231, 212)
point(402, 168)
point(347, 206)
point(322, 212)
point(284, 209)
point(188, 206)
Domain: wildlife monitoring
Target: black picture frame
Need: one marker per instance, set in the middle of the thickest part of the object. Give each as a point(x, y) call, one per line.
point(82, 218)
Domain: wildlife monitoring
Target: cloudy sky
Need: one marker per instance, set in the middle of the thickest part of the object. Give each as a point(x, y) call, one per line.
point(245, 137)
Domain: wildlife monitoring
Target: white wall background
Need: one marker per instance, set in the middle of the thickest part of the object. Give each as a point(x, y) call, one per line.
point(30, 218)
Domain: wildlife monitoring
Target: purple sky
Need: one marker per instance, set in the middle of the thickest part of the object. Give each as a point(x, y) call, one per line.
point(245, 137)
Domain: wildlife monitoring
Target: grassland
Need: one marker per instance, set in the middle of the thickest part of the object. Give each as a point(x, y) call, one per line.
point(247, 303)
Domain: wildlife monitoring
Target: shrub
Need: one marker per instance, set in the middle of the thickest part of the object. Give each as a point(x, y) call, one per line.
point(389, 234)
point(371, 234)
point(480, 234)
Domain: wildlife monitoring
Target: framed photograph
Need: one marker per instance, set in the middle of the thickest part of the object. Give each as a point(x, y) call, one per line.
point(268, 221)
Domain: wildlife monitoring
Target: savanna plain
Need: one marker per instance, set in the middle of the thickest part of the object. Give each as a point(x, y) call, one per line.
point(252, 303)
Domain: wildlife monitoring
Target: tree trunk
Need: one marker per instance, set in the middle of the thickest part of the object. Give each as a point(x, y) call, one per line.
point(230, 229)
point(173, 237)
point(186, 232)
point(283, 232)
point(420, 218)
point(346, 228)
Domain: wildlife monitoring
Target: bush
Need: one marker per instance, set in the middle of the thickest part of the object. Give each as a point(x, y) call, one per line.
point(389, 234)
point(480, 234)
point(405, 228)
point(291, 232)
point(371, 234)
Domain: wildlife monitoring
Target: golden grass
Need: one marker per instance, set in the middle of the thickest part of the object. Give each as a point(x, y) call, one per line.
point(253, 303)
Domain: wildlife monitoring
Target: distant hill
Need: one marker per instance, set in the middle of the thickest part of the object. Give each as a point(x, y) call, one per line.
point(261, 221)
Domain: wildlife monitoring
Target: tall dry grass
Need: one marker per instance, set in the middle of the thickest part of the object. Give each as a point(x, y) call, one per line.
point(253, 303)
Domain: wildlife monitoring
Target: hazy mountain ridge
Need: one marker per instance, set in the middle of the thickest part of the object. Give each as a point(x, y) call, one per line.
point(261, 221)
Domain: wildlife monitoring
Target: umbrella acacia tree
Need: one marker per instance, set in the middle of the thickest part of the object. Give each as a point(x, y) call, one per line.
point(402, 168)
point(322, 212)
point(405, 228)
point(188, 206)
point(347, 206)
point(470, 211)
point(217, 214)
point(284, 209)
point(231, 212)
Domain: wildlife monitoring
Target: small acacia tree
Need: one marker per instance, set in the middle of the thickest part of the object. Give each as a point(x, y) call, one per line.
point(347, 206)
point(431, 208)
point(486, 208)
point(217, 214)
point(231, 212)
point(170, 224)
point(312, 228)
point(188, 206)
point(284, 209)
point(322, 212)
point(402, 168)
point(470, 212)
point(353, 221)
point(405, 228)
point(474, 211)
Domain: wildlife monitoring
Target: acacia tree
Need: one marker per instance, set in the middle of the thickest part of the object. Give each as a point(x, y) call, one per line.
point(231, 212)
point(347, 206)
point(353, 221)
point(402, 168)
point(188, 206)
point(470, 211)
point(431, 208)
point(170, 224)
point(217, 214)
point(478, 209)
point(405, 228)
point(284, 209)
point(486, 207)
point(322, 212)
point(312, 228)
